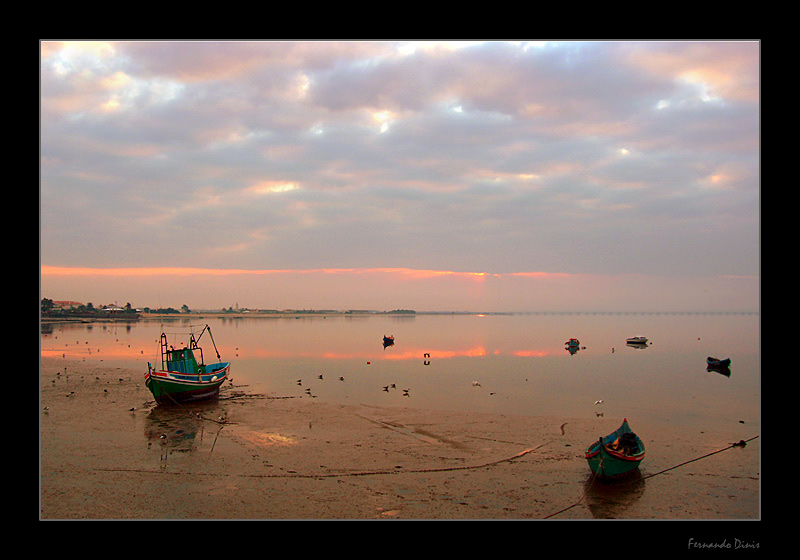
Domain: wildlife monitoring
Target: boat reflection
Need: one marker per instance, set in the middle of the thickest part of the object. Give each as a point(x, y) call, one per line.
point(612, 499)
point(182, 428)
point(722, 370)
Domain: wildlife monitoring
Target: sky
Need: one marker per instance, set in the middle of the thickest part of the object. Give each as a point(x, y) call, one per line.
point(435, 176)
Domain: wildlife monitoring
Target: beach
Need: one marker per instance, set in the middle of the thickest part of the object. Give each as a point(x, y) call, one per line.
point(108, 452)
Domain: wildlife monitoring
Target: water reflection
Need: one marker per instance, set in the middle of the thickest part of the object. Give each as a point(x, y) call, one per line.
point(612, 499)
point(181, 429)
point(519, 360)
point(722, 370)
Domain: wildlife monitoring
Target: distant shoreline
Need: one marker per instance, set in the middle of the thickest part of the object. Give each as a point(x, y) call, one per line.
point(322, 314)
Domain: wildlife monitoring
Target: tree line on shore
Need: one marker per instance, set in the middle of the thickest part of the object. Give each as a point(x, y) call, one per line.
point(49, 308)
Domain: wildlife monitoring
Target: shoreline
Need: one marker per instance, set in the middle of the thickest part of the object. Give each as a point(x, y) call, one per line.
point(260, 456)
point(322, 314)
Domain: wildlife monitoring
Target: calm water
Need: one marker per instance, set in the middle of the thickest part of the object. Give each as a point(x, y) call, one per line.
point(514, 364)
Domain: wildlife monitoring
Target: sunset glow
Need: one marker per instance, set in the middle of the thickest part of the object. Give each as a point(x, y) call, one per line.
point(400, 273)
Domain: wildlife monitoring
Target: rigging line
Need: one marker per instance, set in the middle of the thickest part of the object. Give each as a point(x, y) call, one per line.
point(740, 443)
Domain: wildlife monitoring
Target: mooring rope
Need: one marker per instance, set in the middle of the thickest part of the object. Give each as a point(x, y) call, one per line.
point(740, 443)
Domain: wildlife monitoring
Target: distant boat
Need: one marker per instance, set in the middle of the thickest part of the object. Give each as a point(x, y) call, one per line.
point(636, 340)
point(181, 378)
point(617, 454)
point(717, 363)
point(388, 340)
point(572, 342)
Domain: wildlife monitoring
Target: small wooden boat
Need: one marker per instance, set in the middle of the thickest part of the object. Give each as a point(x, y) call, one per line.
point(617, 454)
point(717, 363)
point(181, 377)
point(572, 342)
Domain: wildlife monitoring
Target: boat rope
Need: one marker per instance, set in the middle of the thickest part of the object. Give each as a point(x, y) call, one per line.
point(354, 473)
point(740, 443)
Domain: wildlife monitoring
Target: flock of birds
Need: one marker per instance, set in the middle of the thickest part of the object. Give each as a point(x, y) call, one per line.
point(341, 378)
point(406, 392)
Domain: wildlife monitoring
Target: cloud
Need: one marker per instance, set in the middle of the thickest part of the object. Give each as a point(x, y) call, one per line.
point(573, 157)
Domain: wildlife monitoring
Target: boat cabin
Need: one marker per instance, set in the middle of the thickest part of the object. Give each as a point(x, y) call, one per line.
point(182, 361)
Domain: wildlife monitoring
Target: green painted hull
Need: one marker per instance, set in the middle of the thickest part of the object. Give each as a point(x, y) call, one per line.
point(169, 387)
point(608, 461)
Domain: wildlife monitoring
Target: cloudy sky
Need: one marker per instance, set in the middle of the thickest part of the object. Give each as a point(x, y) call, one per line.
point(503, 176)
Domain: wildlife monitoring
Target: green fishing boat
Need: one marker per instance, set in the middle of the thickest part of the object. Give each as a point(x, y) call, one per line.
point(617, 454)
point(184, 376)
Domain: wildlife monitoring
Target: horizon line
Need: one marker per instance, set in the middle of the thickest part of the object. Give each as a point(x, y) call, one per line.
point(404, 272)
point(47, 270)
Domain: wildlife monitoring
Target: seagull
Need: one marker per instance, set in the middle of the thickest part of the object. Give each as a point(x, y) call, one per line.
point(476, 384)
point(598, 402)
point(341, 379)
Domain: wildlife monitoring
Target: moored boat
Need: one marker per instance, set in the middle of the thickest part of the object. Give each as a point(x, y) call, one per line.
point(182, 378)
point(717, 363)
point(636, 340)
point(617, 454)
point(572, 346)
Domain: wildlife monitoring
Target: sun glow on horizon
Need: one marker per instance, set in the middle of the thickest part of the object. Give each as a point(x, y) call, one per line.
point(404, 273)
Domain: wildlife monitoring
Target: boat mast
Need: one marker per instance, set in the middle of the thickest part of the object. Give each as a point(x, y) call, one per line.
point(207, 328)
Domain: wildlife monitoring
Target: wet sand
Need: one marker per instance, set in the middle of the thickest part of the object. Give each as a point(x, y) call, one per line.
point(108, 452)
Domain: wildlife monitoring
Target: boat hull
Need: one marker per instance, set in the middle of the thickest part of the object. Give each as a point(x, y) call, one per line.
point(714, 362)
point(608, 463)
point(169, 387)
